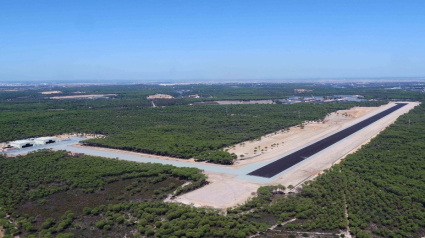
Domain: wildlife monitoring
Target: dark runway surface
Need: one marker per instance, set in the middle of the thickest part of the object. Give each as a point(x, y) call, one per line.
point(286, 162)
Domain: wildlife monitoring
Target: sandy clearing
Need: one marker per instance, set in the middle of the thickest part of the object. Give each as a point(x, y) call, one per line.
point(280, 143)
point(309, 168)
point(287, 141)
point(51, 92)
point(125, 152)
point(230, 185)
point(227, 190)
point(221, 192)
point(230, 102)
point(83, 96)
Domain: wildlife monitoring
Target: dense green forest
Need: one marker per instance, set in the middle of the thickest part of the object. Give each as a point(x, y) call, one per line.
point(57, 194)
point(46, 187)
point(181, 131)
point(136, 94)
point(187, 131)
point(381, 186)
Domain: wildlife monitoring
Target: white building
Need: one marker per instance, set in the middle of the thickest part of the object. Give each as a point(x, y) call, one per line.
point(45, 140)
point(21, 143)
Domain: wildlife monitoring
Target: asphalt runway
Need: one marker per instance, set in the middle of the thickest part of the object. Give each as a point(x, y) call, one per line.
point(290, 160)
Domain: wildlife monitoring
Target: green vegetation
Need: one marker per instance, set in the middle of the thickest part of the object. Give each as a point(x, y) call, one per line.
point(135, 95)
point(57, 194)
point(179, 131)
point(170, 220)
point(218, 156)
point(44, 173)
point(37, 189)
point(381, 185)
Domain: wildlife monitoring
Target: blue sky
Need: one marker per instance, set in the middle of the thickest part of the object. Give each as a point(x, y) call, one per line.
point(210, 40)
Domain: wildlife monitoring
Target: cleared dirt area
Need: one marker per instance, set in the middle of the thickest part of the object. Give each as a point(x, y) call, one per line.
point(50, 92)
point(278, 144)
point(82, 135)
point(277, 166)
point(230, 185)
point(228, 102)
point(125, 152)
point(84, 96)
point(224, 191)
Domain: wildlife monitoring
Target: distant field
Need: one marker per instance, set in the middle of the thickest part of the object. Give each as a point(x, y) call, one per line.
point(84, 96)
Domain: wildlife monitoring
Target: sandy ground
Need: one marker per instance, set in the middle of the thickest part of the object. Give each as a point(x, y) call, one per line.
point(83, 96)
point(83, 135)
point(280, 143)
point(224, 191)
point(326, 158)
point(229, 102)
point(50, 92)
point(230, 185)
point(90, 136)
point(124, 152)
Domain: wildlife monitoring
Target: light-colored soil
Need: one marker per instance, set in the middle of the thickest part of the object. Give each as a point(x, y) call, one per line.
point(83, 135)
point(311, 167)
point(229, 102)
point(50, 92)
point(225, 191)
point(125, 152)
point(83, 96)
point(229, 185)
point(222, 192)
point(280, 143)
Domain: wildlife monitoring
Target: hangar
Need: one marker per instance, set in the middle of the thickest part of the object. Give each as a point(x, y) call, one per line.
point(21, 143)
point(45, 140)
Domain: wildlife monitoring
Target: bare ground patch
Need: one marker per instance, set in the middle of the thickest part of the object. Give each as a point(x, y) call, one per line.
point(219, 193)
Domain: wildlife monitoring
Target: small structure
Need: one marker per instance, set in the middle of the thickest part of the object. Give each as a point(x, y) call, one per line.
point(45, 140)
point(160, 96)
point(21, 143)
point(194, 96)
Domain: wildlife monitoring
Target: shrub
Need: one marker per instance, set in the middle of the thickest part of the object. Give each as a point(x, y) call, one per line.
point(65, 235)
point(87, 210)
point(100, 224)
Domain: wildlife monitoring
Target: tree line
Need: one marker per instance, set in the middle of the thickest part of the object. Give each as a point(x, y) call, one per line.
point(179, 131)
